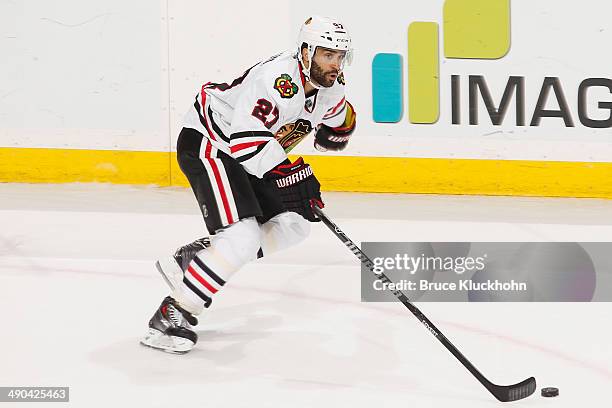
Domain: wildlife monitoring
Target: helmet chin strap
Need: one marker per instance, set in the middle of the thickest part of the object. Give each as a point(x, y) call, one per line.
point(314, 83)
point(306, 71)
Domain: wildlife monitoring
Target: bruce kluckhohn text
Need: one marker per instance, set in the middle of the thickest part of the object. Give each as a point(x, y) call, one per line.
point(462, 285)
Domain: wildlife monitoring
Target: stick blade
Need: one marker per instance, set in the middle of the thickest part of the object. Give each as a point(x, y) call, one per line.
point(507, 393)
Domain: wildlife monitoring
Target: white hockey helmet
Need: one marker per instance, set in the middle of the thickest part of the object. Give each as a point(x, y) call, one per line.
point(323, 32)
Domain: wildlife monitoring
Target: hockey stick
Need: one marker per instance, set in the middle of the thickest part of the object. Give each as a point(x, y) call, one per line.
point(503, 393)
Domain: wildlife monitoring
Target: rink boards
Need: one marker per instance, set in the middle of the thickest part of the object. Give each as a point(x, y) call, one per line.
point(340, 173)
point(494, 97)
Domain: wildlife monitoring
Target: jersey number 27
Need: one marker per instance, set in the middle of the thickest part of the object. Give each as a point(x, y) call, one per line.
point(262, 110)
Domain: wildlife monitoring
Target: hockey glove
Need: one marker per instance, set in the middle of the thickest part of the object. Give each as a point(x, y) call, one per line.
point(336, 139)
point(298, 188)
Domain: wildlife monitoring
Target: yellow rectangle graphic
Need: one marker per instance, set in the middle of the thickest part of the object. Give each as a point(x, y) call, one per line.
point(477, 29)
point(423, 73)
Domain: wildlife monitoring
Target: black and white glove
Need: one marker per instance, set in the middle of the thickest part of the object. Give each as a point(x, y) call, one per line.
point(327, 139)
point(336, 139)
point(298, 188)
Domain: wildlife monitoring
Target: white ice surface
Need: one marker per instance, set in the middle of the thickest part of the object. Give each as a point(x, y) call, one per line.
point(77, 287)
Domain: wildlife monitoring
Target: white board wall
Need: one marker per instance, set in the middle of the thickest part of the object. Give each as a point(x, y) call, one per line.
point(120, 75)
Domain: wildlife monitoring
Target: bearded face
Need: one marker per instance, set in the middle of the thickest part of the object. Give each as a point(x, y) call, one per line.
point(326, 65)
point(321, 76)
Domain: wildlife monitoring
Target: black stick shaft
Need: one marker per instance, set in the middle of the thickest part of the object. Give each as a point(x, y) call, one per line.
point(404, 299)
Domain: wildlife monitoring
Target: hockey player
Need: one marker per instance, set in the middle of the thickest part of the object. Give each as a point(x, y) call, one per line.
point(233, 150)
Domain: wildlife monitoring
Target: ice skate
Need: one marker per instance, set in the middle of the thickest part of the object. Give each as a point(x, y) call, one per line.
point(170, 329)
point(173, 267)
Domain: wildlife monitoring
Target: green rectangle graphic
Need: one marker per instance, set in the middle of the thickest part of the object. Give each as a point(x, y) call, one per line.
point(423, 73)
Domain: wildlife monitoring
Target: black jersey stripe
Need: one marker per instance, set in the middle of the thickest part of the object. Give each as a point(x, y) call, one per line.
point(252, 154)
point(216, 127)
point(208, 271)
point(198, 108)
point(224, 86)
point(251, 133)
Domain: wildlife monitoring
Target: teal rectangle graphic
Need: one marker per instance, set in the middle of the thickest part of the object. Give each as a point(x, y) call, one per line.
point(387, 88)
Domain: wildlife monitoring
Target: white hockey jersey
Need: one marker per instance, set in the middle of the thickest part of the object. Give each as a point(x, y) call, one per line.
point(261, 116)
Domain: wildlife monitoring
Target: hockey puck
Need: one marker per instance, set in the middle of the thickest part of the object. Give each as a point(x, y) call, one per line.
point(550, 392)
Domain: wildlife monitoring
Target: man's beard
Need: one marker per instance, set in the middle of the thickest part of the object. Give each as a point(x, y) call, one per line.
point(320, 77)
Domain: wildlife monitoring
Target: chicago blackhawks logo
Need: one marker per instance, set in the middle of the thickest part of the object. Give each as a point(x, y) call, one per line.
point(289, 135)
point(340, 79)
point(285, 87)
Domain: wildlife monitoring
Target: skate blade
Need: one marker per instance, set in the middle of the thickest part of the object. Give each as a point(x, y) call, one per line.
point(170, 344)
point(170, 271)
